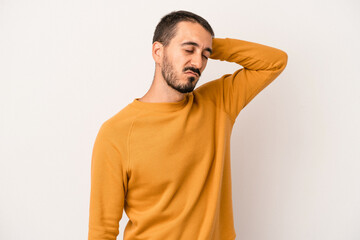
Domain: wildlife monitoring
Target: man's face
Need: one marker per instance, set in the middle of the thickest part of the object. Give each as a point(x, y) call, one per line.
point(186, 56)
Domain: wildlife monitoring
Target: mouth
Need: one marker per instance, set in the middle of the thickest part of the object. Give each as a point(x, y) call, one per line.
point(192, 73)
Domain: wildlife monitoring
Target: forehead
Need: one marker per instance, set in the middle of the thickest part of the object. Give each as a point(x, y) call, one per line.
point(194, 32)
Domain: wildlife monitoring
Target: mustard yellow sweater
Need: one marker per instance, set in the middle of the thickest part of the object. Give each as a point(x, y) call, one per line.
point(168, 164)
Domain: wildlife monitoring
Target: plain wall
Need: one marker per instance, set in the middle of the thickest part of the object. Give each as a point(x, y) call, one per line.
point(67, 66)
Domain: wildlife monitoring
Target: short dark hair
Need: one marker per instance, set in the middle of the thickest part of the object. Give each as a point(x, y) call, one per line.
point(166, 28)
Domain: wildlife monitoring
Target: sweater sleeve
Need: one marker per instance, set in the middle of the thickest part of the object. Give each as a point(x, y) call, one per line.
point(261, 65)
point(108, 187)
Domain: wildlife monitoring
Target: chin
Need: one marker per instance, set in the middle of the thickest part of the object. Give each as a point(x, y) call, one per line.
point(191, 78)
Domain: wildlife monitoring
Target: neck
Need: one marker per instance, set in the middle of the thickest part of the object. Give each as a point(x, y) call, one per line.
point(161, 92)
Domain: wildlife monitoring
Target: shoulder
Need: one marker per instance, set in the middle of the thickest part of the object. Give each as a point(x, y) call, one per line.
point(118, 126)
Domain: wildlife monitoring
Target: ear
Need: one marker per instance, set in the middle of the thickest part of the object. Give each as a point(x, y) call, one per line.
point(157, 52)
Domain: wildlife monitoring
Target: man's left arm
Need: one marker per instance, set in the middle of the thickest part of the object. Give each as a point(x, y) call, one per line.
point(261, 65)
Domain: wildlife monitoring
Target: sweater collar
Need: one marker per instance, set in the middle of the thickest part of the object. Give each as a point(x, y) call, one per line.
point(163, 106)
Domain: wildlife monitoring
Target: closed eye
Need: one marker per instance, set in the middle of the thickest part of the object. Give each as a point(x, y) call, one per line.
point(191, 51)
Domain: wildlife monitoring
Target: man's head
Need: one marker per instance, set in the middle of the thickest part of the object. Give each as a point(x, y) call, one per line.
point(182, 44)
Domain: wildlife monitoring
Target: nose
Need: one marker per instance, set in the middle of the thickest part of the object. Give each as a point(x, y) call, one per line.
point(197, 61)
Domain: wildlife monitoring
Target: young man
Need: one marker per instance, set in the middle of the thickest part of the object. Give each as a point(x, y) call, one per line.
point(165, 157)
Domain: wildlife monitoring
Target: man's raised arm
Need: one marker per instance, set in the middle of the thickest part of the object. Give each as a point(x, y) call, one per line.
point(261, 65)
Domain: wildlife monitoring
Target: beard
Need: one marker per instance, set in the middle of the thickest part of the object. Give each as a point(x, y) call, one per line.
point(169, 74)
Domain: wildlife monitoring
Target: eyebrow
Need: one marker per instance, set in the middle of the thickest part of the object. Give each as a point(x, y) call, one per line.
point(196, 45)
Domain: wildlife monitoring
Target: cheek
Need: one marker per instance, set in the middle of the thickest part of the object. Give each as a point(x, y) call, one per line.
point(204, 66)
point(180, 66)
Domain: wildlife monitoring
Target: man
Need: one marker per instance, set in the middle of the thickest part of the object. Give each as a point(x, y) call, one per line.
point(165, 157)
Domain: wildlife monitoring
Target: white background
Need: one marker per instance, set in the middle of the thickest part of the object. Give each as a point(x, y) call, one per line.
point(66, 66)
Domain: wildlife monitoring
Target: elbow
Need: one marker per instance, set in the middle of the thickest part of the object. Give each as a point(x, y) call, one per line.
point(283, 59)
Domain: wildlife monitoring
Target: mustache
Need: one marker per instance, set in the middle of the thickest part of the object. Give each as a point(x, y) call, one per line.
point(195, 70)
